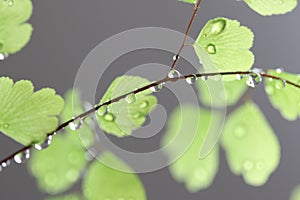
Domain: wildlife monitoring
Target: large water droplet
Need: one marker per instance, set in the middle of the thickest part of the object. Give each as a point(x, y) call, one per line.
point(5, 164)
point(248, 165)
point(211, 49)
point(239, 131)
point(173, 73)
point(76, 124)
point(279, 84)
point(109, 117)
point(130, 98)
point(253, 79)
point(218, 26)
point(192, 79)
point(156, 88)
point(144, 104)
point(22, 157)
point(103, 110)
point(45, 144)
point(269, 89)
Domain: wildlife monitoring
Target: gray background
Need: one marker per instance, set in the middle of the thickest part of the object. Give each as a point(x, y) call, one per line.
point(66, 31)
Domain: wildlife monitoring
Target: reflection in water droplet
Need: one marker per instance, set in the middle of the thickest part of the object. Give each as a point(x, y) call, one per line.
point(144, 104)
point(269, 89)
point(248, 165)
point(240, 76)
point(102, 110)
point(239, 132)
point(22, 157)
point(211, 49)
point(173, 73)
point(109, 117)
point(130, 98)
point(45, 144)
point(192, 79)
point(157, 88)
point(279, 84)
point(279, 70)
point(76, 124)
point(253, 79)
point(218, 26)
point(5, 164)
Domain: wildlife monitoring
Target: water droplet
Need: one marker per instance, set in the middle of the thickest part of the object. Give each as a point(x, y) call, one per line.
point(204, 35)
point(137, 115)
point(11, 2)
point(192, 79)
point(175, 57)
point(109, 117)
point(156, 88)
point(279, 84)
point(279, 70)
point(204, 78)
point(76, 124)
point(211, 49)
point(269, 89)
point(102, 110)
point(253, 79)
point(22, 157)
point(6, 125)
point(45, 144)
point(218, 26)
point(173, 73)
point(2, 57)
point(130, 98)
point(240, 76)
point(239, 132)
point(5, 164)
point(144, 104)
point(248, 165)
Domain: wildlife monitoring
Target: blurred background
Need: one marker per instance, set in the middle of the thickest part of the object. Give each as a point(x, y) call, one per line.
point(66, 31)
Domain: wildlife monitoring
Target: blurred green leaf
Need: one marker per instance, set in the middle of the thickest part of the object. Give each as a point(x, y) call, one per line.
point(271, 7)
point(124, 117)
point(27, 116)
point(66, 197)
point(223, 45)
point(221, 93)
point(252, 148)
point(59, 166)
point(284, 97)
point(103, 182)
point(295, 195)
point(187, 129)
point(14, 32)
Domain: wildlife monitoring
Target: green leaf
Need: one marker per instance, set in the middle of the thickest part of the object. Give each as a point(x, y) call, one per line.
point(14, 32)
point(27, 116)
point(187, 129)
point(295, 195)
point(103, 182)
point(220, 93)
point(123, 117)
point(66, 197)
point(271, 7)
point(252, 148)
point(59, 166)
point(189, 1)
point(223, 45)
point(284, 97)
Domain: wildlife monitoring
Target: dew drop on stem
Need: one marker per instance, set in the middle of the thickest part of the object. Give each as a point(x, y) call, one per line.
point(130, 98)
point(6, 163)
point(22, 157)
point(76, 124)
point(173, 74)
point(103, 110)
point(157, 88)
point(45, 144)
point(191, 79)
point(253, 79)
point(279, 84)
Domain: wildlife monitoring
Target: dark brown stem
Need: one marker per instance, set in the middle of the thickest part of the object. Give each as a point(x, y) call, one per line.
point(162, 81)
point(196, 8)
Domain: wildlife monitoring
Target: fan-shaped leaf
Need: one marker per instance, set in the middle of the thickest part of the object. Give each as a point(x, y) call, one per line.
point(185, 123)
point(224, 44)
point(271, 7)
point(284, 97)
point(14, 33)
point(252, 148)
point(27, 116)
point(124, 117)
point(103, 182)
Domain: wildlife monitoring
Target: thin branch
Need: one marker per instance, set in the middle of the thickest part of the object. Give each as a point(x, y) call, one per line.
point(196, 8)
point(139, 90)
